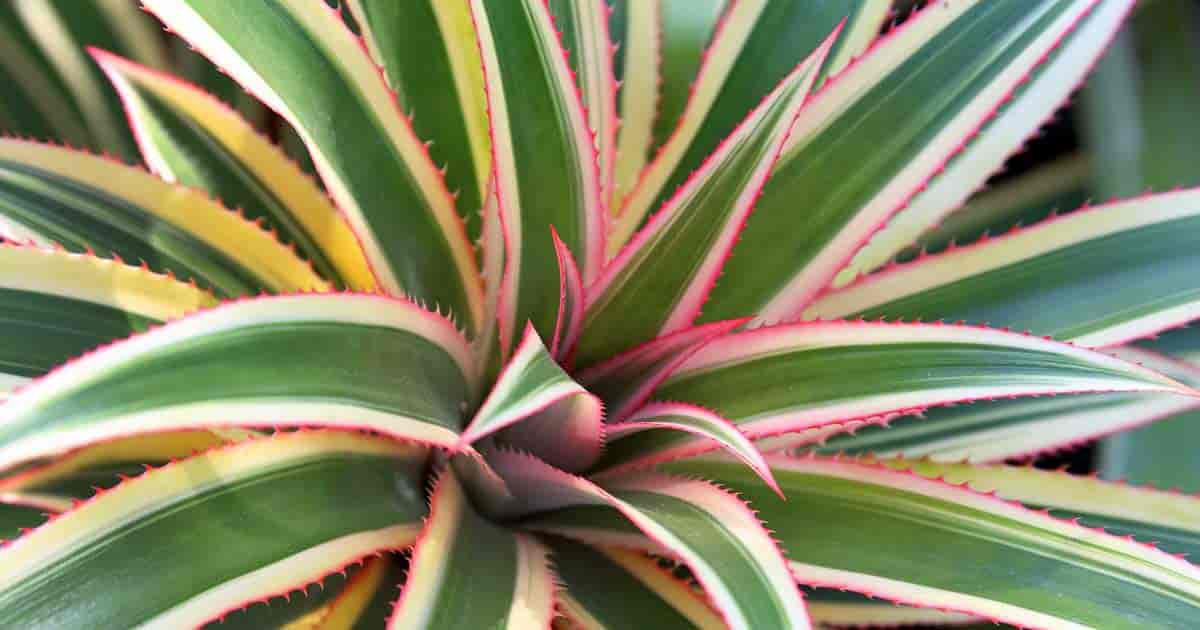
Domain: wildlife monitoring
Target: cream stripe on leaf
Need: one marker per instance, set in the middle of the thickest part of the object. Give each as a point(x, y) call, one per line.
point(808, 376)
point(544, 161)
point(733, 558)
point(990, 431)
point(427, 49)
point(869, 529)
point(90, 203)
point(640, 296)
point(1169, 520)
point(467, 572)
point(56, 306)
point(189, 137)
point(687, 29)
point(583, 25)
point(1031, 105)
point(300, 59)
point(248, 521)
point(843, 609)
point(338, 360)
point(635, 26)
point(42, 108)
point(612, 589)
point(60, 31)
point(1126, 268)
point(874, 136)
point(755, 46)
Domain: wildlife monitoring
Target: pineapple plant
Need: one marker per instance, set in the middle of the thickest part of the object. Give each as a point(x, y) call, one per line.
point(586, 320)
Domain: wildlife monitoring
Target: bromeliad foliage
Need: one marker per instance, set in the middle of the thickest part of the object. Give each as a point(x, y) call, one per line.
point(580, 336)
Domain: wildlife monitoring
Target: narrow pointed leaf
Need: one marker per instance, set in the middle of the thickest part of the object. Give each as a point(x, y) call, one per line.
point(17, 517)
point(808, 376)
point(42, 108)
point(1046, 89)
point(427, 49)
point(189, 137)
point(638, 297)
point(625, 381)
point(543, 158)
point(341, 360)
point(1126, 268)
point(755, 46)
point(843, 609)
point(56, 306)
point(668, 417)
point(569, 324)
point(90, 203)
point(870, 529)
point(613, 588)
point(299, 59)
point(249, 521)
point(908, 105)
point(1059, 186)
point(61, 30)
point(1168, 520)
point(583, 25)
point(733, 558)
point(469, 573)
point(687, 30)
point(1003, 429)
point(635, 27)
point(79, 473)
point(353, 604)
point(532, 388)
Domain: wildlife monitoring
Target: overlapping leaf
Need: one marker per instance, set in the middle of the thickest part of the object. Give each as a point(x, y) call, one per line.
point(299, 59)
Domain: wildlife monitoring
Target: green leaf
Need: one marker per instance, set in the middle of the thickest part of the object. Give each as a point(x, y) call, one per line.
point(677, 417)
point(56, 306)
point(612, 588)
point(469, 573)
point(989, 431)
point(625, 381)
point(641, 295)
point(759, 43)
point(687, 29)
point(635, 29)
point(247, 521)
point(1059, 186)
point(1125, 268)
point(189, 137)
point(80, 472)
point(340, 360)
point(1047, 88)
point(539, 408)
point(878, 133)
point(733, 558)
point(86, 203)
point(821, 376)
point(300, 59)
point(1168, 520)
point(915, 540)
point(583, 26)
point(35, 102)
point(543, 158)
point(842, 609)
point(427, 49)
point(54, 34)
point(17, 517)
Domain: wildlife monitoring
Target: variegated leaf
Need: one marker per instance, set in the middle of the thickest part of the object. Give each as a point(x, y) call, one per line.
point(300, 59)
point(909, 539)
point(189, 137)
point(249, 521)
point(86, 203)
point(343, 360)
point(1126, 269)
